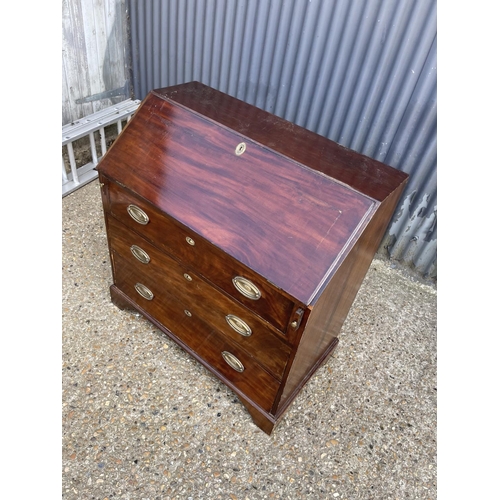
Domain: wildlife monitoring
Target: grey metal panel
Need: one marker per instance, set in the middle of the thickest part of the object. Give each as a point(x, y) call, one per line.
point(360, 72)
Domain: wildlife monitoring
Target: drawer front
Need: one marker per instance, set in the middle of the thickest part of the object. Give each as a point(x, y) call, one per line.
point(234, 278)
point(219, 352)
point(208, 303)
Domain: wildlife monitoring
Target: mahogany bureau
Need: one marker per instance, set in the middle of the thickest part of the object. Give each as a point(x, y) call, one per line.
point(241, 236)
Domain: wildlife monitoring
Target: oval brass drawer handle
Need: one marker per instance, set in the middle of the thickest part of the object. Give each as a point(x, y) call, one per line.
point(246, 288)
point(238, 325)
point(138, 214)
point(144, 291)
point(140, 254)
point(233, 361)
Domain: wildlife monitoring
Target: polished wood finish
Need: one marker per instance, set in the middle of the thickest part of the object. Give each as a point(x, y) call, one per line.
point(364, 174)
point(290, 224)
point(217, 192)
point(176, 280)
point(328, 315)
point(254, 385)
point(209, 260)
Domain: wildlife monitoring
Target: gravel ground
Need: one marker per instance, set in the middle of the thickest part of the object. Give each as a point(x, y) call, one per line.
point(142, 420)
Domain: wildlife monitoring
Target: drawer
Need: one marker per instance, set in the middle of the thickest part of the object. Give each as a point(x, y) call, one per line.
point(208, 303)
point(231, 363)
point(246, 286)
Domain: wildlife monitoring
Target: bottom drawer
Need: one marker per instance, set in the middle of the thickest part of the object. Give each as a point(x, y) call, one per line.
point(232, 365)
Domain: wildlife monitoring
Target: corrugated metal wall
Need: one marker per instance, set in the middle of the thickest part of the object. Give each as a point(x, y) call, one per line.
point(360, 72)
point(95, 56)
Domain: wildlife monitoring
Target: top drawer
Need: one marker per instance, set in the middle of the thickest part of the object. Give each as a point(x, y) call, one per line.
point(246, 286)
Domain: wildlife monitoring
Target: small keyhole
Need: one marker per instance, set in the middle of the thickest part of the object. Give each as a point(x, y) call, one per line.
point(240, 148)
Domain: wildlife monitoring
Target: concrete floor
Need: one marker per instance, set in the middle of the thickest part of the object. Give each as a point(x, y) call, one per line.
point(142, 420)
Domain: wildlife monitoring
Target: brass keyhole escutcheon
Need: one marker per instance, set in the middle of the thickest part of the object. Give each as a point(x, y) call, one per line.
point(240, 148)
point(190, 241)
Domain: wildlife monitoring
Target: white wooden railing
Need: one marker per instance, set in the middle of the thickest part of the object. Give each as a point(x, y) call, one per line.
point(79, 175)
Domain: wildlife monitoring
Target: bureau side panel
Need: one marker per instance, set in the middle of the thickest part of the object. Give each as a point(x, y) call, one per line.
point(320, 335)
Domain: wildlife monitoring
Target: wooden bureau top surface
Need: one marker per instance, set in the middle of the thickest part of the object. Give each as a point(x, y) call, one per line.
point(366, 175)
point(289, 223)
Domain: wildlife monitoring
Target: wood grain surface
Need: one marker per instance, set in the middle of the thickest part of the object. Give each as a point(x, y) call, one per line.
point(210, 261)
point(168, 276)
point(295, 213)
point(366, 175)
point(200, 340)
point(288, 223)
